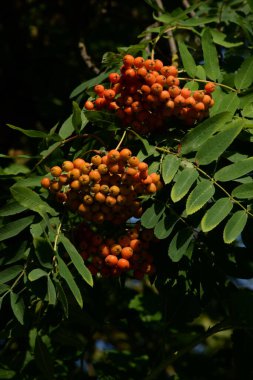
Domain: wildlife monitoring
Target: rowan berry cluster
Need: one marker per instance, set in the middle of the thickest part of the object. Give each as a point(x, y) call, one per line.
point(146, 93)
point(105, 189)
point(131, 251)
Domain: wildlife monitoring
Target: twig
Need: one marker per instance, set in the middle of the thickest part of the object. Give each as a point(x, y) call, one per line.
point(121, 141)
point(187, 5)
point(87, 58)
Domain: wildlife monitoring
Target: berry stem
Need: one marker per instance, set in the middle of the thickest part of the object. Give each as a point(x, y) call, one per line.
point(206, 81)
point(121, 140)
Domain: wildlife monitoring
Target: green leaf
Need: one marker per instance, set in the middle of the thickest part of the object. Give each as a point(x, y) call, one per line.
point(165, 226)
point(10, 273)
point(199, 196)
point(200, 72)
point(29, 133)
point(250, 3)
point(179, 245)
point(225, 103)
point(236, 170)
point(244, 191)
point(88, 84)
point(151, 216)
point(76, 117)
point(14, 228)
point(51, 291)
point(216, 214)
point(67, 276)
point(43, 358)
point(77, 260)
point(18, 307)
point(15, 169)
point(199, 134)
point(44, 251)
point(187, 59)
point(219, 38)
point(35, 274)
point(6, 373)
point(11, 208)
point(31, 200)
point(234, 226)
point(213, 148)
point(183, 183)
point(248, 110)
point(244, 76)
point(62, 298)
point(170, 165)
point(211, 61)
point(197, 21)
point(3, 289)
point(67, 128)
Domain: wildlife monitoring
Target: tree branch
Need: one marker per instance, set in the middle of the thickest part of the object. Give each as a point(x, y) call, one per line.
point(87, 58)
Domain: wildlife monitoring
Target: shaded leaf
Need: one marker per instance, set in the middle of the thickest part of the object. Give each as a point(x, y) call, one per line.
point(165, 226)
point(225, 103)
point(18, 307)
point(199, 196)
point(35, 274)
point(10, 273)
point(236, 170)
point(151, 216)
point(187, 59)
point(11, 208)
point(170, 165)
point(244, 191)
point(211, 61)
point(14, 228)
point(212, 149)
point(43, 251)
point(67, 276)
point(88, 84)
point(43, 358)
point(184, 181)
point(29, 133)
point(216, 214)
point(234, 226)
point(199, 134)
point(7, 373)
point(77, 260)
point(196, 21)
point(179, 245)
point(51, 291)
point(219, 38)
point(244, 76)
point(76, 117)
point(62, 297)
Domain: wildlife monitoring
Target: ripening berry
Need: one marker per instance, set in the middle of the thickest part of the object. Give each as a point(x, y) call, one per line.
point(127, 253)
point(199, 106)
point(125, 154)
point(103, 169)
point(149, 64)
point(142, 72)
point(88, 199)
point(139, 62)
point(63, 179)
point(115, 249)
point(151, 188)
point(74, 174)
point(95, 175)
point(100, 103)
point(156, 88)
point(55, 186)
point(86, 168)
point(114, 190)
point(95, 188)
point(207, 100)
point(56, 171)
point(133, 161)
point(190, 102)
point(99, 89)
point(89, 105)
point(99, 197)
point(104, 189)
point(75, 185)
point(185, 92)
point(113, 155)
point(161, 79)
point(210, 87)
point(198, 95)
point(111, 260)
point(114, 78)
point(79, 163)
point(172, 81)
point(96, 160)
point(84, 179)
point(174, 91)
point(109, 94)
point(110, 201)
point(155, 177)
point(150, 79)
point(45, 182)
point(123, 264)
point(179, 101)
point(128, 60)
point(98, 217)
point(158, 65)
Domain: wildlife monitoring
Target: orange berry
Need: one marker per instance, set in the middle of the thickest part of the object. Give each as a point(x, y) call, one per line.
point(149, 64)
point(142, 72)
point(145, 89)
point(83, 209)
point(139, 62)
point(88, 199)
point(130, 73)
point(147, 180)
point(98, 217)
point(199, 106)
point(104, 250)
point(95, 175)
point(127, 253)
point(174, 91)
point(56, 171)
point(179, 101)
point(133, 161)
point(104, 189)
point(110, 201)
point(131, 171)
point(155, 177)
point(63, 179)
point(164, 95)
point(100, 103)
point(86, 168)
point(156, 88)
point(142, 166)
point(115, 249)
point(170, 104)
point(151, 188)
point(185, 92)
point(150, 79)
point(113, 155)
point(128, 60)
point(172, 81)
point(84, 179)
point(96, 160)
point(125, 154)
point(99, 197)
point(95, 188)
point(102, 168)
point(74, 174)
point(161, 79)
point(75, 185)
point(109, 94)
point(207, 100)
point(158, 64)
point(67, 166)
point(45, 182)
point(136, 245)
point(114, 190)
point(121, 199)
point(79, 163)
point(198, 95)
point(210, 87)
point(89, 105)
point(99, 89)
point(111, 260)
point(114, 77)
point(190, 102)
point(123, 264)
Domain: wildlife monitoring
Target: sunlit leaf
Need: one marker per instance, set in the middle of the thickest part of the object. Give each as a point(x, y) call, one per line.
point(216, 214)
point(14, 228)
point(36, 274)
point(244, 191)
point(184, 181)
point(187, 59)
point(211, 61)
point(244, 76)
point(236, 170)
point(170, 165)
point(10, 273)
point(151, 216)
point(234, 226)
point(199, 196)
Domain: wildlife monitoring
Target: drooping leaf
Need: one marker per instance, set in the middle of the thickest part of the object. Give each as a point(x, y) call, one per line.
point(199, 134)
point(234, 226)
point(244, 76)
point(43, 358)
point(170, 165)
point(11, 208)
point(184, 181)
point(187, 59)
point(196, 21)
point(88, 84)
point(77, 260)
point(211, 61)
point(31, 200)
point(35, 274)
point(62, 297)
point(14, 228)
point(243, 191)
point(29, 133)
point(15, 169)
point(3, 289)
point(51, 291)
point(199, 196)
point(216, 214)
point(151, 216)
point(43, 251)
point(179, 245)
point(76, 117)
point(236, 170)
point(18, 306)
point(213, 148)
point(10, 273)
point(165, 226)
point(68, 277)
point(225, 103)
point(219, 38)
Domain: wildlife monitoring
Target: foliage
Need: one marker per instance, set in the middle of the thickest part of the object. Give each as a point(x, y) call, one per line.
point(59, 319)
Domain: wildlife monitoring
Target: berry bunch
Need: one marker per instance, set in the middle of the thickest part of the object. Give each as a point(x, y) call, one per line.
point(131, 251)
point(107, 188)
point(146, 93)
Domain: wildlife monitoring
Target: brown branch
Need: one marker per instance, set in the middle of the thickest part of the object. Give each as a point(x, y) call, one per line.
point(87, 58)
